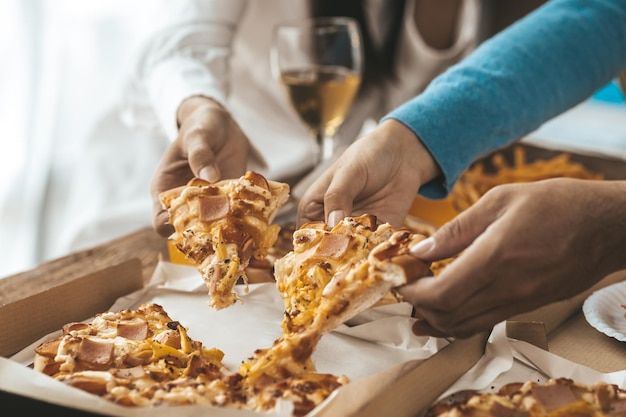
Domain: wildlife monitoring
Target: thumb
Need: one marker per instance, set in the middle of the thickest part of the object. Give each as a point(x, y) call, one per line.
point(340, 195)
point(454, 236)
point(202, 159)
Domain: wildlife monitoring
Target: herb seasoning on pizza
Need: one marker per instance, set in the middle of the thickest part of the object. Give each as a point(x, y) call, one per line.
point(221, 226)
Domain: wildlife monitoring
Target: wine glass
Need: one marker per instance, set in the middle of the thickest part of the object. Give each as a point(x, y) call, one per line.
point(319, 62)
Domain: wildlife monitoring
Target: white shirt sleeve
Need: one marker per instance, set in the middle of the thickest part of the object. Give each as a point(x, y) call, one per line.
point(188, 55)
point(418, 63)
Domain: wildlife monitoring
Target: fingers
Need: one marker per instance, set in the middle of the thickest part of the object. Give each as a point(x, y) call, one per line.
point(450, 315)
point(456, 235)
point(311, 204)
point(181, 162)
point(343, 189)
point(200, 156)
point(330, 197)
point(160, 220)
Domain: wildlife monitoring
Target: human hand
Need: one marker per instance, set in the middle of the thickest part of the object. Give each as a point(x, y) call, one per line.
point(210, 145)
point(378, 174)
point(523, 246)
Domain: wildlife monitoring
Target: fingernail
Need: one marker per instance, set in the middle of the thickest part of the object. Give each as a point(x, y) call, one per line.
point(335, 217)
point(422, 247)
point(209, 173)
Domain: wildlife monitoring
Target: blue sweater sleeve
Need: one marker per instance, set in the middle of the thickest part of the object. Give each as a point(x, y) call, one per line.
point(547, 62)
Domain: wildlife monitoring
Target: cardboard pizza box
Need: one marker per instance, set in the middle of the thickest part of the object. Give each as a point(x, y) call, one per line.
point(560, 328)
point(30, 318)
point(33, 317)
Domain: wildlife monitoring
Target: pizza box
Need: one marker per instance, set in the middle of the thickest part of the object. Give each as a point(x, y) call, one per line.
point(31, 318)
point(555, 339)
point(406, 391)
point(558, 333)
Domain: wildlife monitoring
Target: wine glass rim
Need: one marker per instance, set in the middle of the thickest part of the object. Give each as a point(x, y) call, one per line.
point(318, 21)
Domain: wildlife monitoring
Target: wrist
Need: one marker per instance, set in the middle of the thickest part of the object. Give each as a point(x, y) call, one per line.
point(193, 103)
point(419, 156)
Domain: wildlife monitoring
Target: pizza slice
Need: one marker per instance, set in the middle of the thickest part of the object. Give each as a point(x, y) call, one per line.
point(220, 226)
point(557, 397)
point(142, 358)
point(332, 275)
point(137, 358)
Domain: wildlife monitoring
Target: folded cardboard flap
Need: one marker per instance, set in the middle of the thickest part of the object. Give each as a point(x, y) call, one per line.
point(417, 389)
point(561, 328)
point(31, 318)
point(554, 315)
point(533, 332)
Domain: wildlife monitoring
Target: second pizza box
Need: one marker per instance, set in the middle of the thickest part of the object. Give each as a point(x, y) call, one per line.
point(518, 162)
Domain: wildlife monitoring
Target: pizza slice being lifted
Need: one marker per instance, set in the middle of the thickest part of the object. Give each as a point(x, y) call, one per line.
point(332, 275)
point(220, 226)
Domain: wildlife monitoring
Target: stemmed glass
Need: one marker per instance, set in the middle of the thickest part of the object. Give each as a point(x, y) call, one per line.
point(319, 62)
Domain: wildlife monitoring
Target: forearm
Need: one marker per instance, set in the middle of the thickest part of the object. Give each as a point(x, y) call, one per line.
point(193, 103)
point(189, 57)
point(541, 66)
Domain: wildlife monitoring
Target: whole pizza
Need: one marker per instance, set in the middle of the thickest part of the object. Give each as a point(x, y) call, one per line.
point(143, 357)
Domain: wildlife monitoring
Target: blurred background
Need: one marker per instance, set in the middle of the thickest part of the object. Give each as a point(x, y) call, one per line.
point(65, 67)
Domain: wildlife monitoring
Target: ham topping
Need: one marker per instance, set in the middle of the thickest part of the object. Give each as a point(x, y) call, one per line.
point(213, 207)
point(95, 354)
point(553, 396)
point(133, 331)
point(333, 246)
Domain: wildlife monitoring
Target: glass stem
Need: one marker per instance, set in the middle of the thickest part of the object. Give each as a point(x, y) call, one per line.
point(325, 147)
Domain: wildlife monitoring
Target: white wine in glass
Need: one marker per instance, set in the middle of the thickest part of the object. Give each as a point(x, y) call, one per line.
point(319, 63)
